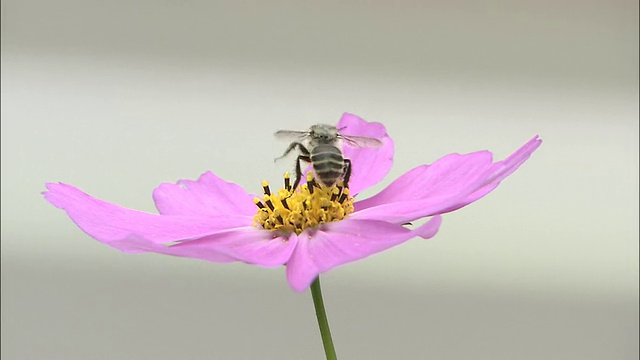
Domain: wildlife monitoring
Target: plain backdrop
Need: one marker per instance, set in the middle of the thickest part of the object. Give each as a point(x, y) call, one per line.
point(116, 97)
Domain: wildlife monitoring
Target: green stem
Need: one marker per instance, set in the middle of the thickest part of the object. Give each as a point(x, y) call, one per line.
point(327, 342)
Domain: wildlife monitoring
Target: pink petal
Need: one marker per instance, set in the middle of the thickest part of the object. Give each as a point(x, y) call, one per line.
point(209, 195)
point(346, 241)
point(370, 165)
point(448, 184)
point(134, 231)
point(138, 245)
point(499, 172)
point(248, 244)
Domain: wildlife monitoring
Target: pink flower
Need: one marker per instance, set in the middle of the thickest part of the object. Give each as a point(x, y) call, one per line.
point(214, 220)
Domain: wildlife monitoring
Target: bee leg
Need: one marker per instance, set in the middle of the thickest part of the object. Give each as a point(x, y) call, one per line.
point(347, 172)
point(305, 158)
point(292, 146)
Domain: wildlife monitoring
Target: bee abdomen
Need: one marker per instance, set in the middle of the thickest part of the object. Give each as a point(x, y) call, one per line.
point(328, 163)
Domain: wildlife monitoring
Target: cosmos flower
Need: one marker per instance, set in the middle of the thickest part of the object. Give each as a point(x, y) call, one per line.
point(310, 229)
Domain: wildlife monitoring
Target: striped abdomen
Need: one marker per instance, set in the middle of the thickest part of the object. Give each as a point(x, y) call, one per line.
point(328, 164)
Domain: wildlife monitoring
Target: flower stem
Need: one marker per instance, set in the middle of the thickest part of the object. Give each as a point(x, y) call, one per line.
point(327, 342)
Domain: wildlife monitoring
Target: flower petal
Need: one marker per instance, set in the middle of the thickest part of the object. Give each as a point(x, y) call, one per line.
point(499, 172)
point(130, 230)
point(248, 244)
point(448, 184)
point(370, 165)
point(138, 245)
point(345, 241)
point(209, 195)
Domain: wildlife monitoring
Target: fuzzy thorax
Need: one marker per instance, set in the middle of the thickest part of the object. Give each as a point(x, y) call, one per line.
point(307, 206)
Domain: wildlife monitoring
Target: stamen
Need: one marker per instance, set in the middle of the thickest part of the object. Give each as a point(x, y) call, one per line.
point(345, 194)
point(306, 206)
point(258, 203)
point(287, 181)
point(269, 204)
point(265, 188)
point(310, 182)
point(335, 193)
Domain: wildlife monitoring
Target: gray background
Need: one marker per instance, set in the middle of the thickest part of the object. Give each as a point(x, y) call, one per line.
point(116, 97)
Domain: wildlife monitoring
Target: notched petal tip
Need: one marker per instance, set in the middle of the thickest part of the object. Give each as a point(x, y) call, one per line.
point(127, 229)
point(448, 184)
point(62, 195)
point(430, 228)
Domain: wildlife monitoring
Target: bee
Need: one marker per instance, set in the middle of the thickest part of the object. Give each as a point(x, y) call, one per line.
point(321, 147)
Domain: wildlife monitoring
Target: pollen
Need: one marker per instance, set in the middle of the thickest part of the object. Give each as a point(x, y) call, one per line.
point(306, 206)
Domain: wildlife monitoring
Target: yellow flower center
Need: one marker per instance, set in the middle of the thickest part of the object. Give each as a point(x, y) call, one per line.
point(307, 206)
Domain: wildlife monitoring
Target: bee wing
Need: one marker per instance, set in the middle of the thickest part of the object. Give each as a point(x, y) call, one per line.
point(361, 141)
point(291, 135)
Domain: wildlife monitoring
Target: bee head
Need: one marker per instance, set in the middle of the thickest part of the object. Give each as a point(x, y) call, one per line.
point(323, 133)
